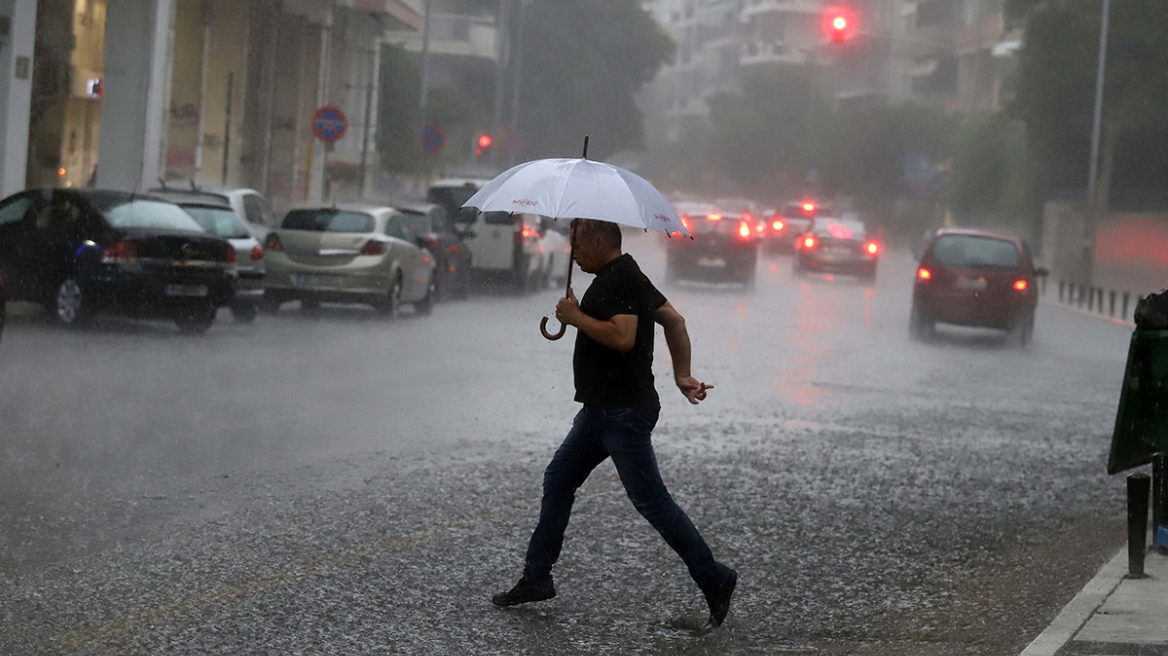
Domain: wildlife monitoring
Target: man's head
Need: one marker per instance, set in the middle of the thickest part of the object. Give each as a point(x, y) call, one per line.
point(596, 242)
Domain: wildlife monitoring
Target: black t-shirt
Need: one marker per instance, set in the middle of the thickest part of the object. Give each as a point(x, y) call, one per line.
point(604, 376)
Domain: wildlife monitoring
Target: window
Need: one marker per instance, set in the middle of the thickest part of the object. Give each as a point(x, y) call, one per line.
point(62, 215)
point(969, 252)
point(150, 214)
point(253, 209)
point(221, 221)
point(15, 210)
point(399, 227)
point(328, 221)
point(417, 222)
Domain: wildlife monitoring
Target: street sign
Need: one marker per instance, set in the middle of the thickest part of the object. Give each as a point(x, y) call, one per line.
point(433, 139)
point(329, 124)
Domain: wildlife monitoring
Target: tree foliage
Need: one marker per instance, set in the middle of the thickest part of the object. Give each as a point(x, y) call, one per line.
point(1056, 84)
point(583, 61)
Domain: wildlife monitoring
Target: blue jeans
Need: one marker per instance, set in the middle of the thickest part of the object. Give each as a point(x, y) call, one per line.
point(624, 434)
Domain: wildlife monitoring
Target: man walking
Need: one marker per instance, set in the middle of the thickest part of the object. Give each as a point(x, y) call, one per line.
point(614, 380)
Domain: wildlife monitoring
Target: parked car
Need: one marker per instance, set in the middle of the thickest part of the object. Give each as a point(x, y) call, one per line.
point(724, 248)
point(976, 278)
point(249, 204)
point(558, 247)
point(84, 252)
point(452, 256)
point(348, 254)
point(451, 193)
point(837, 246)
point(508, 248)
point(218, 218)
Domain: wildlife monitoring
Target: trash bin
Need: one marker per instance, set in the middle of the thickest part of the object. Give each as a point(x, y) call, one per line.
point(1141, 424)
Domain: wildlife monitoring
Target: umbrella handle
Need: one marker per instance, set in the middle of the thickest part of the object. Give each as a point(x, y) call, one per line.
point(548, 336)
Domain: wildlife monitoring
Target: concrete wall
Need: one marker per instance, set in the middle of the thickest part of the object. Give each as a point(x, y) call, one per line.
point(15, 93)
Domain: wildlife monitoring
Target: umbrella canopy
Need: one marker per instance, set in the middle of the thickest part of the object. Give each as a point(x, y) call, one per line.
point(579, 189)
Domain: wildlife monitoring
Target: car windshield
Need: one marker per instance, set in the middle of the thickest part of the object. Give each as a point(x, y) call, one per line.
point(149, 214)
point(452, 198)
point(838, 228)
point(709, 225)
point(222, 221)
point(971, 252)
point(328, 221)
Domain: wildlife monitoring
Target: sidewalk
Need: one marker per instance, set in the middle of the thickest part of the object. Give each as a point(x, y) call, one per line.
point(1113, 615)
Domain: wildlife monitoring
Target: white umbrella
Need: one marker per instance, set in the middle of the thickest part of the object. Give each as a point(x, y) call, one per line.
point(578, 189)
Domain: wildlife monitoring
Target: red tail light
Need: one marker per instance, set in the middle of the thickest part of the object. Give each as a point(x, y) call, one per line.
point(230, 254)
point(1021, 285)
point(272, 243)
point(527, 232)
point(777, 225)
point(714, 217)
point(257, 253)
point(744, 229)
point(374, 247)
point(808, 207)
point(809, 243)
point(872, 248)
point(924, 274)
point(120, 252)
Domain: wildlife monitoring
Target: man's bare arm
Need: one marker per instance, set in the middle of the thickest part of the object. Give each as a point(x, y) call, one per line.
point(677, 337)
point(618, 333)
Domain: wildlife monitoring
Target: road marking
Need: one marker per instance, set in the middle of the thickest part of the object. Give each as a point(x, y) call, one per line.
point(1082, 607)
point(1089, 313)
point(341, 560)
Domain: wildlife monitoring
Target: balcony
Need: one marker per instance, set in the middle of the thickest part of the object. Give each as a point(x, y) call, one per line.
point(454, 35)
point(754, 8)
point(754, 53)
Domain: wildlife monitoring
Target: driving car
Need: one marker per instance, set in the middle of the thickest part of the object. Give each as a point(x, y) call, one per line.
point(508, 248)
point(348, 254)
point(558, 247)
point(218, 218)
point(724, 248)
point(837, 246)
point(452, 256)
point(976, 278)
point(84, 252)
point(451, 193)
point(781, 228)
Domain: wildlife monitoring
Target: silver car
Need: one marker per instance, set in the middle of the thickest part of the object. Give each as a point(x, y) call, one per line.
point(348, 254)
point(217, 217)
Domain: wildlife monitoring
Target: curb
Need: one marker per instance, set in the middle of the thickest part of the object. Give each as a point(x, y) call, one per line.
point(1088, 313)
point(1075, 614)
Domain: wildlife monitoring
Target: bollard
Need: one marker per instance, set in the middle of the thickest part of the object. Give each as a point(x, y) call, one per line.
point(1126, 298)
point(1062, 285)
point(1100, 300)
point(1090, 299)
point(1042, 284)
point(1159, 495)
point(1111, 305)
point(1137, 523)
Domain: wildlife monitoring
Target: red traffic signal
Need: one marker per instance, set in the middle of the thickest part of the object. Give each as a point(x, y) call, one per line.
point(485, 141)
point(839, 23)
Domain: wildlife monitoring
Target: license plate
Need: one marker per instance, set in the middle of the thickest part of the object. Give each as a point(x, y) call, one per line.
point(712, 262)
point(971, 283)
point(312, 280)
point(199, 291)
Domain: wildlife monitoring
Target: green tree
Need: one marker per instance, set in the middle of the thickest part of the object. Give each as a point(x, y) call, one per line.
point(1056, 85)
point(993, 174)
point(583, 61)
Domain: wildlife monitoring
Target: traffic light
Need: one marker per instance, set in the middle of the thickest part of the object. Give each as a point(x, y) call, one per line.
point(483, 143)
point(839, 23)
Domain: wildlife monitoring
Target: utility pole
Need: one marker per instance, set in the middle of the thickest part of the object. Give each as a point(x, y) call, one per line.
point(503, 39)
point(1097, 126)
point(517, 82)
point(424, 101)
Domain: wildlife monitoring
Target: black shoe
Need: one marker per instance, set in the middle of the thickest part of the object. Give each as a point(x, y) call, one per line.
point(524, 593)
point(718, 597)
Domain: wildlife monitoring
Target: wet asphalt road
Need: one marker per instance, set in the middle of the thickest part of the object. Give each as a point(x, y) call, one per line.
point(339, 484)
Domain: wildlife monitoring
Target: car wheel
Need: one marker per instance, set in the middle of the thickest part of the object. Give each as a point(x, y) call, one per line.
point(798, 269)
point(390, 306)
point(269, 304)
point(245, 312)
point(196, 322)
point(521, 277)
point(426, 305)
point(921, 326)
point(308, 306)
point(463, 290)
point(69, 307)
point(1022, 331)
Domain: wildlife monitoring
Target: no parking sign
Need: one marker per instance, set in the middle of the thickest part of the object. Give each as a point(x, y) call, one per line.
point(329, 124)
